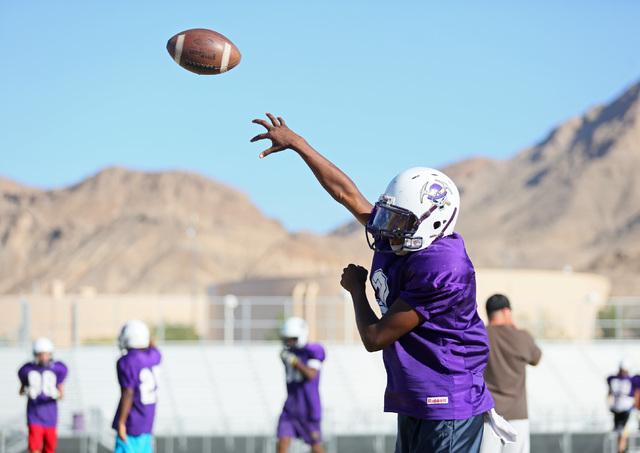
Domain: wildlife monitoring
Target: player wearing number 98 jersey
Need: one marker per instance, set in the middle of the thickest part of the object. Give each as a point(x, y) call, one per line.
point(302, 411)
point(138, 378)
point(41, 382)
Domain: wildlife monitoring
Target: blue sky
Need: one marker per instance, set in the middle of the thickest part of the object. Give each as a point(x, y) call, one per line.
point(377, 87)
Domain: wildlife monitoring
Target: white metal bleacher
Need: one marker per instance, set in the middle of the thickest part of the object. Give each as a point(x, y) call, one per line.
point(239, 390)
point(567, 390)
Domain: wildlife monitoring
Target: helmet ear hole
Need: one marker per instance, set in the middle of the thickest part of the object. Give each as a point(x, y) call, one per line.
point(436, 225)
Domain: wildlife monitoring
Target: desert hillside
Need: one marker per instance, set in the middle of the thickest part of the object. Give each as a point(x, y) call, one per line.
point(571, 200)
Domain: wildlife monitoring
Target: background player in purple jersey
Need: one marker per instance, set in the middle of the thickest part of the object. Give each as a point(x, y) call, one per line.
point(138, 378)
point(302, 411)
point(434, 343)
point(41, 381)
point(621, 401)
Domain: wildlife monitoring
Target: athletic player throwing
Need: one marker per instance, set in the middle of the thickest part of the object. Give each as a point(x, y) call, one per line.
point(138, 378)
point(41, 382)
point(434, 343)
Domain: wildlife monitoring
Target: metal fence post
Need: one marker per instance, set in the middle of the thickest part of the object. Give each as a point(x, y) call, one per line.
point(230, 304)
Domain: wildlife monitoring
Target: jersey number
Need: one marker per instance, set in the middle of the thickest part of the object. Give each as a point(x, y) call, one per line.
point(621, 387)
point(44, 383)
point(149, 385)
point(380, 285)
point(293, 374)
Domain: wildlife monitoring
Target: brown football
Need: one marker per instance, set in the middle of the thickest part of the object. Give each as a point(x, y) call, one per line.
point(203, 51)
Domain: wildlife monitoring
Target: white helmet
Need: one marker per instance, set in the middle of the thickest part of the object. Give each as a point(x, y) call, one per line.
point(135, 334)
point(625, 364)
point(295, 328)
point(419, 206)
point(42, 345)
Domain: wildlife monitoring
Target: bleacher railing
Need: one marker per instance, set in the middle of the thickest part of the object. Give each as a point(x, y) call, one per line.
point(74, 320)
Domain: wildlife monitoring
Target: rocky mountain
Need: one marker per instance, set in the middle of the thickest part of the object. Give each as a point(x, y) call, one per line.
point(124, 231)
point(571, 200)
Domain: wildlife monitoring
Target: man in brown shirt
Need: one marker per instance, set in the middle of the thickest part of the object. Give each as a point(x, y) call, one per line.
point(510, 350)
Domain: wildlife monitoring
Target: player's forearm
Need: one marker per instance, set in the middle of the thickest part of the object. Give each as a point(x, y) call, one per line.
point(126, 402)
point(308, 373)
point(366, 321)
point(335, 182)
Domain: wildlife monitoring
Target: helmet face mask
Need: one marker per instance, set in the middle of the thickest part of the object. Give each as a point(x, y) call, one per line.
point(294, 333)
point(396, 224)
point(419, 206)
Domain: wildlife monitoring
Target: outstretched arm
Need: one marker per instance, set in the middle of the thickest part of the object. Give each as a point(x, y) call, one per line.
point(332, 179)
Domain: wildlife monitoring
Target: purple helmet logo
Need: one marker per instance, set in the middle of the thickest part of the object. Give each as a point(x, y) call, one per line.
point(436, 193)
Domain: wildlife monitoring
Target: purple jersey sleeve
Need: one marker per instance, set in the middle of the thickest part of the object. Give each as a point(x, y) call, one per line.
point(61, 372)
point(316, 352)
point(127, 374)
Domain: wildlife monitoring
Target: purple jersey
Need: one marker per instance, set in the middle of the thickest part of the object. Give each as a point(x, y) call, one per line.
point(434, 372)
point(622, 390)
point(138, 370)
point(41, 384)
point(303, 397)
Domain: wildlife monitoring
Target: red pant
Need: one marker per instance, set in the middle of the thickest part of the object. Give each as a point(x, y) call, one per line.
point(42, 438)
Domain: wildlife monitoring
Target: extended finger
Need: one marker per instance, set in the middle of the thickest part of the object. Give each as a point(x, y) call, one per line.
point(282, 123)
point(262, 123)
point(258, 137)
point(266, 152)
point(273, 119)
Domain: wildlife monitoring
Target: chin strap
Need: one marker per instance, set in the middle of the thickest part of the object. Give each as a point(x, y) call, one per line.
point(455, 210)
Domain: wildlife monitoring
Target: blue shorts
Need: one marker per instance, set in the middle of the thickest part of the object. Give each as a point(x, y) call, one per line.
point(293, 427)
point(416, 435)
point(134, 444)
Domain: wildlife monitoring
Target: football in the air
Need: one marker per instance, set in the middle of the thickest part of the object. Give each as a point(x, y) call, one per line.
point(203, 51)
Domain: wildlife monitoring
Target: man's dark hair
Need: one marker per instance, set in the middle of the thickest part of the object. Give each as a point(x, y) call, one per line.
point(497, 302)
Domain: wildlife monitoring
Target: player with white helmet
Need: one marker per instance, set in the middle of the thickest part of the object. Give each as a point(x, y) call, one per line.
point(434, 343)
point(302, 411)
point(137, 372)
point(621, 401)
point(41, 381)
